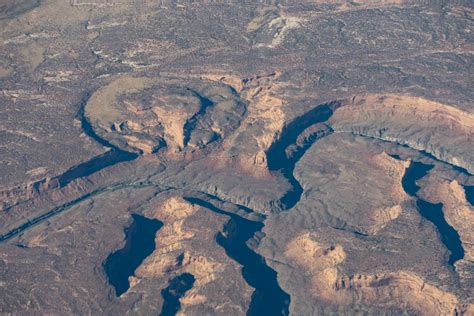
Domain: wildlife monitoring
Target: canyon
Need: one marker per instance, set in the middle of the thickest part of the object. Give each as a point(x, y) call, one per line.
point(224, 159)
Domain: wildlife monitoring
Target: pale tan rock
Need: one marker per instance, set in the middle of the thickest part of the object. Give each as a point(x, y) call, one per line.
point(173, 122)
point(144, 145)
point(395, 170)
point(102, 107)
point(175, 208)
point(402, 289)
point(265, 105)
point(311, 255)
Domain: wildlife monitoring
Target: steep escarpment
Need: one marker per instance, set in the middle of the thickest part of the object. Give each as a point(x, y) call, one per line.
point(358, 220)
point(433, 212)
point(439, 129)
point(268, 298)
point(186, 245)
point(145, 114)
point(457, 210)
point(458, 213)
point(121, 264)
point(74, 176)
point(235, 126)
point(401, 120)
point(279, 160)
point(329, 282)
point(37, 200)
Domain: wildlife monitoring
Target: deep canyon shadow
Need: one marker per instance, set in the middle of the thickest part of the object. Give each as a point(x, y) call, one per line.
point(268, 298)
point(431, 211)
point(277, 158)
point(469, 190)
point(178, 286)
point(112, 157)
point(139, 244)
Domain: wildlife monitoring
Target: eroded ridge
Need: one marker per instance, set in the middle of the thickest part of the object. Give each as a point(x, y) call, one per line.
point(280, 159)
point(186, 245)
point(399, 289)
point(392, 118)
point(458, 212)
point(346, 179)
point(114, 107)
point(439, 129)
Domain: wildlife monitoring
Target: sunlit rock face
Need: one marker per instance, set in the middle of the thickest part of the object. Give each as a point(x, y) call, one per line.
point(229, 158)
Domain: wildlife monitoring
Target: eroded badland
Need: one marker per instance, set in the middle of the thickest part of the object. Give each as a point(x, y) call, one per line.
point(293, 157)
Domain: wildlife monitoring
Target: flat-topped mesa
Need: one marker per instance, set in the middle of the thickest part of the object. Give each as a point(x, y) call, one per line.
point(441, 130)
point(146, 114)
point(338, 167)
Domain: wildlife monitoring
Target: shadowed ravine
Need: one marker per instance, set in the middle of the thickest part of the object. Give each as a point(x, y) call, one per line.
point(178, 286)
point(469, 190)
point(432, 212)
point(190, 125)
point(113, 156)
point(139, 244)
point(277, 158)
point(268, 298)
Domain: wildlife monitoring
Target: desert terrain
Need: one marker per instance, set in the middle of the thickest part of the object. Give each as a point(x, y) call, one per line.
point(236, 158)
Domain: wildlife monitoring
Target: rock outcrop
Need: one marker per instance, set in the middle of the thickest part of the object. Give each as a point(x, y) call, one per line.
point(331, 170)
point(186, 244)
point(439, 129)
point(401, 289)
point(145, 114)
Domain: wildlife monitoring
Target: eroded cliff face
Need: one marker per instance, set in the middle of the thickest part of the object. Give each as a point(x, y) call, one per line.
point(321, 268)
point(323, 264)
point(458, 212)
point(186, 244)
point(245, 149)
point(266, 137)
point(439, 129)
